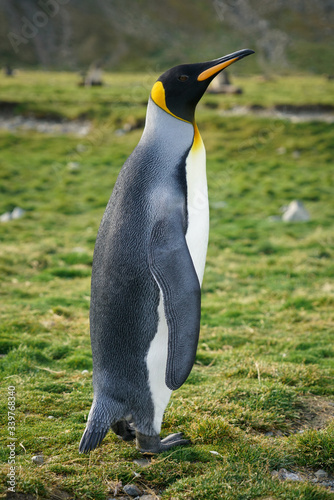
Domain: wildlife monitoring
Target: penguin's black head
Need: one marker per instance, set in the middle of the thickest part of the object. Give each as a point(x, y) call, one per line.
point(179, 89)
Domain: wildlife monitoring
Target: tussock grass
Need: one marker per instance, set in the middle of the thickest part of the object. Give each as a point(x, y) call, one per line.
point(265, 360)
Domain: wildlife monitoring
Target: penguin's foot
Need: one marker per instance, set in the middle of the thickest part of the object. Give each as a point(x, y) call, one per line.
point(124, 429)
point(153, 444)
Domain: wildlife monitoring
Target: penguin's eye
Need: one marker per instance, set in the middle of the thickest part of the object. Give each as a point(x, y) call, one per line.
point(183, 78)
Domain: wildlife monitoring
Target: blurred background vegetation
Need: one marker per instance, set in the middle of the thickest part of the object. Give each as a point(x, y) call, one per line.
point(127, 35)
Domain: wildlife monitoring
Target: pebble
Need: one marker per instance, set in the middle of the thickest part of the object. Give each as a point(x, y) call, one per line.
point(132, 490)
point(285, 475)
point(281, 150)
point(296, 212)
point(73, 166)
point(84, 372)
point(148, 497)
point(38, 459)
point(321, 474)
point(51, 417)
point(17, 213)
point(142, 462)
point(7, 216)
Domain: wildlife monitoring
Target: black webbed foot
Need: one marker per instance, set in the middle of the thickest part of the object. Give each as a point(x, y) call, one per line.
point(153, 444)
point(124, 429)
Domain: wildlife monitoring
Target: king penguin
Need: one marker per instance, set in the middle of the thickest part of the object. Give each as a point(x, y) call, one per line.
point(148, 267)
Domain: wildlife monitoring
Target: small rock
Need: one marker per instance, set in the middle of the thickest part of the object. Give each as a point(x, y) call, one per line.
point(84, 372)
point(127, 127)
point(218, 204)
point(148, 497)
point(296, 154)
point(269, 434)
point(296, 212)
point(132, 490)
point(142, 462)
point(321, 474)
point(38, 459)
point(17, 213)
point(51, 417)
point(289, 476)
point(7, 216)
point(73, 166)
point(281, 150)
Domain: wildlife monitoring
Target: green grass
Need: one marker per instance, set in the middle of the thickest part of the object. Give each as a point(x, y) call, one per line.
point(265, 361)
point(124, 96)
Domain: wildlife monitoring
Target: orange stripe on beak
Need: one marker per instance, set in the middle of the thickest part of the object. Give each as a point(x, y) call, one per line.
point(215, 69)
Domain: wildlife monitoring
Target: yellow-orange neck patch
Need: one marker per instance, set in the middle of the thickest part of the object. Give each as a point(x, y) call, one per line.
point(198, 142)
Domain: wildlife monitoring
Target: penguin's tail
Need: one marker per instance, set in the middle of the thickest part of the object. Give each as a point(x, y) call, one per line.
point(100, 419)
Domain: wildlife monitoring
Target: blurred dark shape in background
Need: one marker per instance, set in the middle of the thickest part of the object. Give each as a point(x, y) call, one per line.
point(8, 70)
point(222, 85)
point(93, 77)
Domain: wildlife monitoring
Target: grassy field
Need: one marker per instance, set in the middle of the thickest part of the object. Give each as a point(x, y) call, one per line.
point(261, 394)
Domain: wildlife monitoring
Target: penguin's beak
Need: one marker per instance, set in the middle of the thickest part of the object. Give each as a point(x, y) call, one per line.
point(217, 65)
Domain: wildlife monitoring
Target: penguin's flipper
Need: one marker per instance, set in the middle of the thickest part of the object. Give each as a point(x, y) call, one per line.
point(173, 269)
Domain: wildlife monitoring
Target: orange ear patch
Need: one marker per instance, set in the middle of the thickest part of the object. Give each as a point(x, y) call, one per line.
point(159, 97)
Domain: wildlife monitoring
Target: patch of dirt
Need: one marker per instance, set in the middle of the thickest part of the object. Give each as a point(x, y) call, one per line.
point(290, 112)
point(319, 478)
point(304, 108)
point(8, 107)
point(19, 496)
point(55, 494)
point(316, 413)
point(45, 126)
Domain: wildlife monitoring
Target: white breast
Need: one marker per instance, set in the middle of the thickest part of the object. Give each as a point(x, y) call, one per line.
point(198, 205)
point(197, 241)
